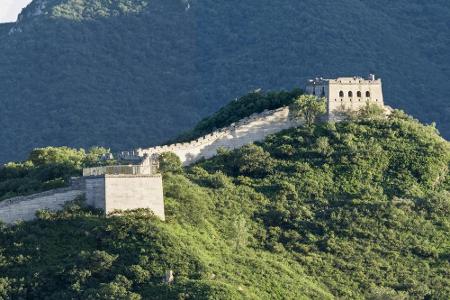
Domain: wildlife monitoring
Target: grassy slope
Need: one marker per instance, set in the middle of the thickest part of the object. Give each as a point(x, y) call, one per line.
point(349, 210)
point(138, 76)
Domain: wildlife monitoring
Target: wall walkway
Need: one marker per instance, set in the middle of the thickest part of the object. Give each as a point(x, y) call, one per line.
point(24, 208)
point(254, 128)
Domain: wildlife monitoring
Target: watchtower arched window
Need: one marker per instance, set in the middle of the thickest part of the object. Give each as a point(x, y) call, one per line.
point(350, 94)
point(314, 92)
point(323, 91)
point(368, 94)
point(358, 94)
point(341, 94)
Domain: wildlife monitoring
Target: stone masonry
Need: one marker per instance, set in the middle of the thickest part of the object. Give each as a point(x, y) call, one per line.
point(123, 192)
point(109, 192)
point(254, 128)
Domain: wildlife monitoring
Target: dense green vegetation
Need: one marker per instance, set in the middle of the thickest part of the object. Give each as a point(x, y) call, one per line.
point(47, 168)
point(308, 108)
point(132, 73)
point(352, 210)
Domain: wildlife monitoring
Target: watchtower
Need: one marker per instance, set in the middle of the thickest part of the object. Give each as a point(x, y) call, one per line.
point(347, 93)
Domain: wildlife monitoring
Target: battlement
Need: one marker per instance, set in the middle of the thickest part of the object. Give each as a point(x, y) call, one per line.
point(247, 130)
point(118, 170)
point(371, 79)
point(342, 93)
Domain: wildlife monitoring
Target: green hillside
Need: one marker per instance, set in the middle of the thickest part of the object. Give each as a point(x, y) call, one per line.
point(353, 210)
point(134, 73)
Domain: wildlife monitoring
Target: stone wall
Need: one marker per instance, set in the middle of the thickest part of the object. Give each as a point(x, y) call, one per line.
point(25, 207)
point(95, 191)
point(107, 192)
point(246, 131)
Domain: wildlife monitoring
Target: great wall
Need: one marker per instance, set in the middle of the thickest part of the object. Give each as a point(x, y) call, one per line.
point(248, 130)
point(132, 186)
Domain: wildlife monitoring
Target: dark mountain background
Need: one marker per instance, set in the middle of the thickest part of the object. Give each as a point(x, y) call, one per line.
point(131, 73)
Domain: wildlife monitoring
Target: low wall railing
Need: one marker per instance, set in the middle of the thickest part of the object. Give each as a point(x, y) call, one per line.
point(119, 170)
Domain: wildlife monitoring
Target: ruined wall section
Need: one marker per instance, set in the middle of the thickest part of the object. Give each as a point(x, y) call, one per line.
point(246, 131)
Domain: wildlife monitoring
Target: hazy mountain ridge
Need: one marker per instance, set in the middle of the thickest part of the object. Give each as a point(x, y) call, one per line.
point(92, 73)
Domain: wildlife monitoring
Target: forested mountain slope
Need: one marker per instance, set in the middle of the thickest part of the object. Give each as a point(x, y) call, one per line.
point(124, 74)
point(354, 210)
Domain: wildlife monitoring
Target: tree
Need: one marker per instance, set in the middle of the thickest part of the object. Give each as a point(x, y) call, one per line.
point(252, 160)
point(5, 287)
point(170, 162)
point(57, 156)
point(119, 288)
point(371, 111)
point(308, 107)
point(97, 156)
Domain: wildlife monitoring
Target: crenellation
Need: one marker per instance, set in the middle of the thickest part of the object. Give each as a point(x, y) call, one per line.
point(247, 130)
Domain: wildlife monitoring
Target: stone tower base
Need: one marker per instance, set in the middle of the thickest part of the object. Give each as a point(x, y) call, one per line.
point(126, 192)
